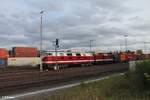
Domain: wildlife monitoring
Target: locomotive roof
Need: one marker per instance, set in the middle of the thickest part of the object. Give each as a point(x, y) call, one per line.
point(65, 51)
point(60, 53)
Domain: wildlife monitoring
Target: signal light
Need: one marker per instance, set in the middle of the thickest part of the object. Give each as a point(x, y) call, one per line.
point(57, 42)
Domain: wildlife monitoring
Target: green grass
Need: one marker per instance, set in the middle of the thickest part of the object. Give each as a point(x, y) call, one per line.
point(114, 88)
point(131, 86)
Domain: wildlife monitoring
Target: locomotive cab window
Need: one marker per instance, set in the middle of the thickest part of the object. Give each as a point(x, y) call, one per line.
point(78, 54)
point(69, 54)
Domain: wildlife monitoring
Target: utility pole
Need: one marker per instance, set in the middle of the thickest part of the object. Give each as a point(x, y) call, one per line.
point(145, 47)
point(126, 42)
point(91, 45)
point(41, 42)
point(53, 44)
point(120, 46)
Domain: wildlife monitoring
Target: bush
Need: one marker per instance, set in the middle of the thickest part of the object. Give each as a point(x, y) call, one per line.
point(140, 79)
point(132, 84)
point(142, 73)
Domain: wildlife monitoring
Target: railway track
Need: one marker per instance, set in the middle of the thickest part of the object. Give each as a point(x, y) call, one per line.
point(16, 80)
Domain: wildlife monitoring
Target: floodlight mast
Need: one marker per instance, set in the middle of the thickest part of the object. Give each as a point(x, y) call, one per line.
point(41, 40)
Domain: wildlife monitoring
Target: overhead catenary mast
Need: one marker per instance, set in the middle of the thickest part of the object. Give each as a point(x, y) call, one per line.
point(145, 47)
point(41, 40)
point(91, 45)
point(126, 49)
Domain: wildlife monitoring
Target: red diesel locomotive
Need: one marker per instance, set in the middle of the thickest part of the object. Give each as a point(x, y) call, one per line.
point(74, 58)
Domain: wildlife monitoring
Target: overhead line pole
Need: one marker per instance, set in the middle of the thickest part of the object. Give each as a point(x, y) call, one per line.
point(41, 42)
point(91, 45)
point(120, 46)
point(145, 47)
point(126, 42)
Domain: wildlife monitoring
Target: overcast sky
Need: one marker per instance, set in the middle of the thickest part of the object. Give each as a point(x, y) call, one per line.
point(75, 23)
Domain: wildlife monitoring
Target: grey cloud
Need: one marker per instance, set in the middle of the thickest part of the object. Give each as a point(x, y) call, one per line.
point(74, 22)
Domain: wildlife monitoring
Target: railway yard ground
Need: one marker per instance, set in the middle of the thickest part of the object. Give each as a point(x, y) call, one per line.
point(20, 80)
point(115, 87)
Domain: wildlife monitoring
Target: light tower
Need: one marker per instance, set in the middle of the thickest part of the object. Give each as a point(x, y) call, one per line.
point(41, 40)
point(91, 45)
point(126, 42)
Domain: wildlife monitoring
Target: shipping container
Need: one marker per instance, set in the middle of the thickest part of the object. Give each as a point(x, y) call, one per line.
point(23, 61)
point(3, 53)
point(123, 57)
point(25, 52)
point(2, 63)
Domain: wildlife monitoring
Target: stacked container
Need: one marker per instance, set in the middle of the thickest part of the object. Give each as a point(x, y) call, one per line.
point(123, 57)
point(25, 52)
point(3, 57)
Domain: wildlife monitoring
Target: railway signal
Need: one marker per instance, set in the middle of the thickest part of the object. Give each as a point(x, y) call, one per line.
point(56, 46)
point(57, 43)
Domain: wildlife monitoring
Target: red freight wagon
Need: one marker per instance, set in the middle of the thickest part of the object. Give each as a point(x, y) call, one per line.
point(107, 57)
point(103, 57)
point(131, 57)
